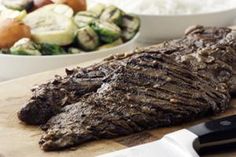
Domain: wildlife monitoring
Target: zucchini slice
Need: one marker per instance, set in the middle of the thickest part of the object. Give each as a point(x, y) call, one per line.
point(108, 32)
point(87, 38)
point(82, 20)
point(112, 14)
point(87, 13)
point(130, 26)
point(97, 9)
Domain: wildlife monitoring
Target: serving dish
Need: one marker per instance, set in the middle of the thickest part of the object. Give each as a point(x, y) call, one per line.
point(13, 66)
point(156, 28)
point(38, 40)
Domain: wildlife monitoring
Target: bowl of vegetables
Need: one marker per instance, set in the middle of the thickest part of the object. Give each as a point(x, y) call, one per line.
point(57, 35)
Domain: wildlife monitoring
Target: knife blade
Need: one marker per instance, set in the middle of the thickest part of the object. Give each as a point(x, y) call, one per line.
point(185, 142)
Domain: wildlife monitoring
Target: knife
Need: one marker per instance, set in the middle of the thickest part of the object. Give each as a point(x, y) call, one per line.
point(185, 142)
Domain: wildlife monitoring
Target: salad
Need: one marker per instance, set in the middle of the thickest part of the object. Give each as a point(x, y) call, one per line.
point(44, 27)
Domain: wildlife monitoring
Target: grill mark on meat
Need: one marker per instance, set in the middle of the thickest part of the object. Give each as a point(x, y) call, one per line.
point(147, 65)
point(165, 102)
point(167, 94)
point(175, 81)
point(164, 97)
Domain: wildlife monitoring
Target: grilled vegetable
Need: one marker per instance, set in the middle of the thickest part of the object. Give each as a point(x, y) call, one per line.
point(76, 5)
point(51, 49)
point(18, 4)
point(12, 31)
point(87, 13)
point(25, 47)
point(130, 25)
point(87, 38)
point(82, 21)
point(50, 27)
point(113, 44)
point(83, 18)
point(97, 9)
point(61, 9)
point(108, 32)
point(126, 35)
point(112, 14)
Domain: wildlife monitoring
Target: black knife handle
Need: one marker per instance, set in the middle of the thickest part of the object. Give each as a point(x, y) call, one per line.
point(217, 132)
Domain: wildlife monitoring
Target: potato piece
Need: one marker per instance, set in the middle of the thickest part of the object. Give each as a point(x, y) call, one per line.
point(11, 31)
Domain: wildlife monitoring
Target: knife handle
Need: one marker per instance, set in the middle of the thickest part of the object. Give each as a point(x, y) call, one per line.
point(214, 133)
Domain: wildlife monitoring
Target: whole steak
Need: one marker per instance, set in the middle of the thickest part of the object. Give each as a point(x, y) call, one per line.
point(168, 84)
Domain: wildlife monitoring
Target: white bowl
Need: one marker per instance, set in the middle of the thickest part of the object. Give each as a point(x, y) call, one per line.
point(156, 28)
point(13, 66)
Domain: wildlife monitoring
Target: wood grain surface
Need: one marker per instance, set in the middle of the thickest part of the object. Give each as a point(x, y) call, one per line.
point(18, 140)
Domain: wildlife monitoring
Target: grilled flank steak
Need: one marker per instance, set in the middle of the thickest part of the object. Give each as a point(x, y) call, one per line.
point(174, 82)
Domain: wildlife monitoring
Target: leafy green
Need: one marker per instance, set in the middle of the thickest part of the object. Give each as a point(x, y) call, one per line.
point(51, 49)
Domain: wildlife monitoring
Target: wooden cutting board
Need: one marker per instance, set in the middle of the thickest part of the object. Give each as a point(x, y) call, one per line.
point(18, 140)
